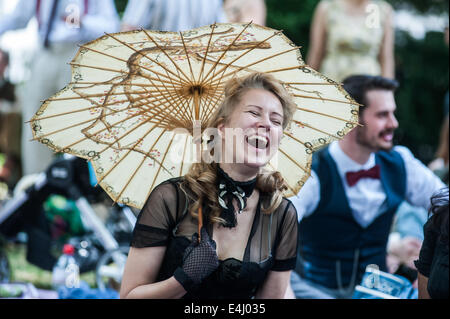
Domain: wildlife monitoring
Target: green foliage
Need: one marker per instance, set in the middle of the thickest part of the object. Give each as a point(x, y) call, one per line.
point(422, 70)
point(424, 6)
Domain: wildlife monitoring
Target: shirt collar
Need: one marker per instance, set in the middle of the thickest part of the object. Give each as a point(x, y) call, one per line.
point(344, 163)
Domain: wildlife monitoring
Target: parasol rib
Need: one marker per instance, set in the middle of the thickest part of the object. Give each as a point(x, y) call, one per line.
point(150, 91)
point(225, 51)
point(126, 61)
point(110, 145)
point(316, 129)
point(308, 83)
point(173, 105)
point(323, 99)
point(85, 122)
point(182, 100)
point(111, 70)
point(129, 151)
point(128, 132)
point(168, 56)
point(246, 52)
point(92, 108)
point(140, 165)
point(188, 59)
point(92, 84)
point(328, 115)
point(86, 96)
point(294, 161)
point(181, 81)
point(200, 80)
point(90, 120)
point(161, 164)
point(212, 98)
point(253, 63)
point(103, 105)
point(98, 68)
point(294, 138)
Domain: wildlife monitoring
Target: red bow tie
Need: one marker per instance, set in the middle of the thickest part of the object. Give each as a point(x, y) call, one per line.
point(354, 177)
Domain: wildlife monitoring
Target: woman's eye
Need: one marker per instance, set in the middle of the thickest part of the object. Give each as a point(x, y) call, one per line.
point(254, 113)
point(276, 122)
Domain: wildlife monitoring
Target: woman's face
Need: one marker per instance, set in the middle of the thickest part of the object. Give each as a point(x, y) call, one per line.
point(253, 131)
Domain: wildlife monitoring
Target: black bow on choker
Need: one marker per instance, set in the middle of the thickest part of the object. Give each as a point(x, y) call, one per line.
point(229, 189)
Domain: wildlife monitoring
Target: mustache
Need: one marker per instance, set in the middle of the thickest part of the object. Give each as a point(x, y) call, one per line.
point(387, 131)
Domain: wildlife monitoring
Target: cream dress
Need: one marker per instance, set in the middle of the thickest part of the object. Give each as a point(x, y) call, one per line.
point(353, 42)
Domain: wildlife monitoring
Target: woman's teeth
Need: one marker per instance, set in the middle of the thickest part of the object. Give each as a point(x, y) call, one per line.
point(257, 141)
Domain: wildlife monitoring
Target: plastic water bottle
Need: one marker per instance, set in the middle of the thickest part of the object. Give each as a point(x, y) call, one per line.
point(66, 272)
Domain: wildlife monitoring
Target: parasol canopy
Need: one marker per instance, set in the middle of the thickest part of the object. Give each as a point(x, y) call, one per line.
point(136, 98)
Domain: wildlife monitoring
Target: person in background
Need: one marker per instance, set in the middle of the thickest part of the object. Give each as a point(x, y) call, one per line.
point(244, 11)
point(352, 37)
point(433, 260)
point(357, 183)
point(62, 24)
point(171, 15)
point(10, 124)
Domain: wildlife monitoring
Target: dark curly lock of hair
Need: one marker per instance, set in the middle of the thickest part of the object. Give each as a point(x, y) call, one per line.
point(438, 212)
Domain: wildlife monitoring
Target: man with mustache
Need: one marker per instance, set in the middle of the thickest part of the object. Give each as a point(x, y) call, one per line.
point(346, 208)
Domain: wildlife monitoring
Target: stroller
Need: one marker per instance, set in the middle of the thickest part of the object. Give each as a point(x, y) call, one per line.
point(102, 245)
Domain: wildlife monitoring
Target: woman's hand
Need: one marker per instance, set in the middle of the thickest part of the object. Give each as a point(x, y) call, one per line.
point(199, 261)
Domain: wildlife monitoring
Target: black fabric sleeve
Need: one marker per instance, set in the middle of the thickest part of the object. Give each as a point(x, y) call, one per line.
point(286, 244)
point(157, 218)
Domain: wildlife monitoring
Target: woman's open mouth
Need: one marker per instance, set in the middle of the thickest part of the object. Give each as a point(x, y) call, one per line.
point(257, 141)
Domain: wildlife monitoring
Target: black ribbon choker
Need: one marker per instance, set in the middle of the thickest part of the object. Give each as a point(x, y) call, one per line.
point(229, 189)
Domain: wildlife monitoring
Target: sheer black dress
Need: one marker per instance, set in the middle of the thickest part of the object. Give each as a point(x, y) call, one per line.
point(272, 244)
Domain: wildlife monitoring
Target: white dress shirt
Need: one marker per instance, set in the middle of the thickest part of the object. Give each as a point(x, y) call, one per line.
point(101, 17)
point(367, 197)
point(173, 15)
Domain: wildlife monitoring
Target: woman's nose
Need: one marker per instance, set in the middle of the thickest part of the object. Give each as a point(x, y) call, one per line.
point(264, 122)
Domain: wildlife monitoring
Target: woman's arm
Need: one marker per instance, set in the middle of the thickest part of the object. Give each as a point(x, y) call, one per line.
point(318, 37)
point(141, 271)
point(275, 285)
point(386, 55)
point(423, 287)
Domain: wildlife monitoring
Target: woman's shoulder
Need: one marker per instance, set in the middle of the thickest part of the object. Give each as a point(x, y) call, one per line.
point(167, 188)
point(287, 208)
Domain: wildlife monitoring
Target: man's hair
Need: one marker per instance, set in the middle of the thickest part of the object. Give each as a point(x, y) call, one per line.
point(358, 85)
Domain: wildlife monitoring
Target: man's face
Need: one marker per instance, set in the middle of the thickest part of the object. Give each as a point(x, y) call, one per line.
point(379, 121)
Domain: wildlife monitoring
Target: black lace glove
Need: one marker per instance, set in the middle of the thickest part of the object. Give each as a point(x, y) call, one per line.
point(199, 261)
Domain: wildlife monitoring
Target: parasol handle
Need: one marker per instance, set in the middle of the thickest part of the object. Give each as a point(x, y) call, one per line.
point(200, 222)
